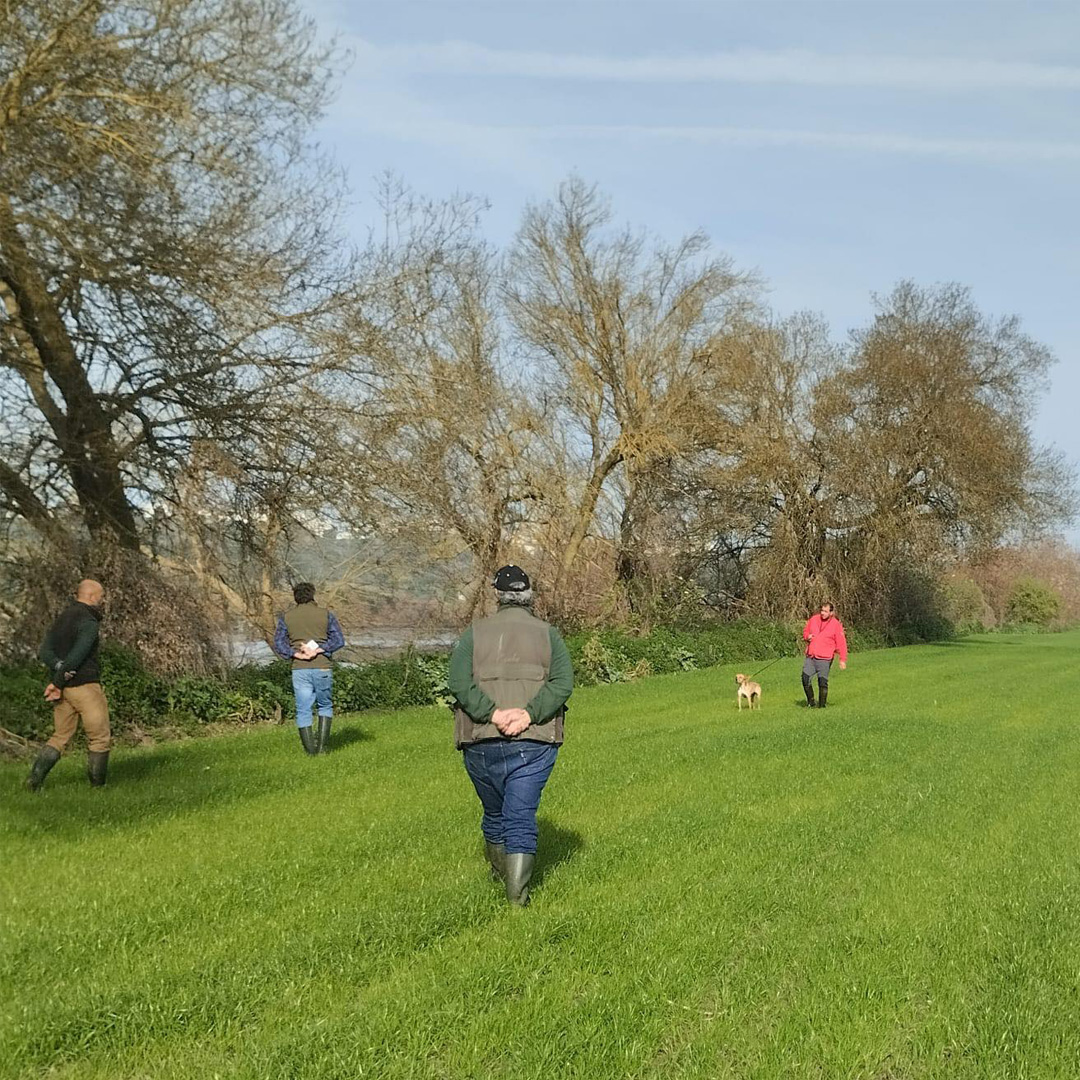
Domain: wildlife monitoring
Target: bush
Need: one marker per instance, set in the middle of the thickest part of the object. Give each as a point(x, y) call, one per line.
point(965, 605)
point(1033, 603)
point(384, 684)
point(23, 710)
point(138, 698)
point(916, 607)
point(607, 656)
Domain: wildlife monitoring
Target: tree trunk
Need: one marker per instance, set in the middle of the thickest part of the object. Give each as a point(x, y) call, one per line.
point(586, 511)
point(82, 430)
point(631, 569)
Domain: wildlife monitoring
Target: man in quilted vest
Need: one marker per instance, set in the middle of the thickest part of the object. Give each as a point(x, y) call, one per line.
point(308, 635)
point(511, 676)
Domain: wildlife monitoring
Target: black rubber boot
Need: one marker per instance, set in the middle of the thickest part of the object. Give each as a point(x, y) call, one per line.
point(47, 757)
point(324, 734)
point(823, 694)
point(307, 737)
point(519, 868)
point(808, 689)
point(97, 767)
point(496, 857)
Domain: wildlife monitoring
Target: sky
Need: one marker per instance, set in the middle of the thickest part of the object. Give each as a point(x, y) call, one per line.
point(833, 148)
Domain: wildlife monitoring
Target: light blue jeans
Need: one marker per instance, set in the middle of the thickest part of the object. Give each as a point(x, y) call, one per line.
point(312, 686)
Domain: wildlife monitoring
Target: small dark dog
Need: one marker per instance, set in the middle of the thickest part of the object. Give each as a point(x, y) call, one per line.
point(749, 690)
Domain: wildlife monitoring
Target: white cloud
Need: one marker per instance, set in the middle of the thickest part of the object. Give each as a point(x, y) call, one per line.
point(982, 149)
point(517, 147)
point(788, 66)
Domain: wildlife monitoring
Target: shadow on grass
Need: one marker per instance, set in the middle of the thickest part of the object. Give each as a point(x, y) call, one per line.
point(342, 737)
point(555, 845)
point(166, 781)
point(970, 643)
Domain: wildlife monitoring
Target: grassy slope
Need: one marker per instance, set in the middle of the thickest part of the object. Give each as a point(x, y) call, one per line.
point(888, 889)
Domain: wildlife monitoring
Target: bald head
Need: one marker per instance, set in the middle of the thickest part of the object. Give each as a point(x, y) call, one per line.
point(89, 592)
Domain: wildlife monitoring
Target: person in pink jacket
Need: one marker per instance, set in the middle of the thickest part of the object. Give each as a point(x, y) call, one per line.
point(824, 637)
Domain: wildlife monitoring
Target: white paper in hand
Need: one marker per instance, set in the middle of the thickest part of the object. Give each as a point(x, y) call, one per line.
point(311, 645)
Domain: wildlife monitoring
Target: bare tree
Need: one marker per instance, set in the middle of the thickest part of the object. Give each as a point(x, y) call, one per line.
point(861, 474)
point(166, 247)
point(448, 431)
point(625, 340)
point(758, 503)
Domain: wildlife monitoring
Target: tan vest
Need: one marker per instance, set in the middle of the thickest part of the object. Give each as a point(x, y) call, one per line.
point(308, 622)
point(511, 663)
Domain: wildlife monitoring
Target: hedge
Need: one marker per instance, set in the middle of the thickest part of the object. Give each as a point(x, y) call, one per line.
point(149, 703)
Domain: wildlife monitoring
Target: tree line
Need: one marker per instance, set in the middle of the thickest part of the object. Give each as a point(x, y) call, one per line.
point(201, 372)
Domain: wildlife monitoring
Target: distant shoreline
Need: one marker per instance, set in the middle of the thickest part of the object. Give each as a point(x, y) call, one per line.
point(375, 642)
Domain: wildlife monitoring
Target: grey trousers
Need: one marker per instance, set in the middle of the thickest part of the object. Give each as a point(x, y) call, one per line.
point(820, 668)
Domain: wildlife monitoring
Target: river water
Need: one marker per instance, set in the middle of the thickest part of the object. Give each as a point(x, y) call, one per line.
point(372, 644)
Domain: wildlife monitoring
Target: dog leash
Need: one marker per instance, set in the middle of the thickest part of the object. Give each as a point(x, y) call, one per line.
point(767, 666)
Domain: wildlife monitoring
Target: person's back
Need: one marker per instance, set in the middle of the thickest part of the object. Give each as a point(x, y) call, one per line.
point(307, 635)
point(78, 621)
point(511, 662)
point(308, 622)
point(510, 675)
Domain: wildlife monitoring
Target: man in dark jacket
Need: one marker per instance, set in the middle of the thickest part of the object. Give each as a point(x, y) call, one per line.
point(307, 635)
point(70, 652)
point(511, 676)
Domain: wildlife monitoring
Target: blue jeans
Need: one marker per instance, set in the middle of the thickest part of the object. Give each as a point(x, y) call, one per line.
point(312, 686)
point(509, 776)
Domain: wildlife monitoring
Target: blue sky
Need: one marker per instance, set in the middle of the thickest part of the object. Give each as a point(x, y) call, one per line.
point(834, 148)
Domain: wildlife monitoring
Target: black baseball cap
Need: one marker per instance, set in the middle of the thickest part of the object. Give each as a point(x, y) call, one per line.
point(511, 579)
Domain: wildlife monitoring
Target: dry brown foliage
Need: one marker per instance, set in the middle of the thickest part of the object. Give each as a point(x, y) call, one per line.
point(145, 608)
point(1051, 562)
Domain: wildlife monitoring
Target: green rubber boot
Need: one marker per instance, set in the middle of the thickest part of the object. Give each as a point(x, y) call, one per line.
point(45, 760)
point(519, 869)
point(97, 767)
point(324, 734)
point(496, 856)
point(307, 737)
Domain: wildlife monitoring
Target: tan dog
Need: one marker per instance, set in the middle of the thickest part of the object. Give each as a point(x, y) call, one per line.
point(749, 690)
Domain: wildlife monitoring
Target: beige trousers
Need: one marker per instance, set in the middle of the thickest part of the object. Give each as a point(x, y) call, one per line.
point(88, 702)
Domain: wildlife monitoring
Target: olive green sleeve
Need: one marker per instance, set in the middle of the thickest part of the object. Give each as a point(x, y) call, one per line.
point(84, 642)
point(468, 695)
point(552, 696)
point(47, 653)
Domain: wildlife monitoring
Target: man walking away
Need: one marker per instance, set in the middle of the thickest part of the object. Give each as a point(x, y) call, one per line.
point(308, 635)
point(70, 652)
point(511, 676)
point(824, 637)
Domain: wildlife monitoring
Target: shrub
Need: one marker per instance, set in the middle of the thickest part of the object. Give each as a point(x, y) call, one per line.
point(23, 710)
point(597, 663)
point(965, 605)
point(135, 695)
point(383, 684)
point(436, 672)
point(252, 693)
point(606, 656)
point(1033, 603)
point(198, 698)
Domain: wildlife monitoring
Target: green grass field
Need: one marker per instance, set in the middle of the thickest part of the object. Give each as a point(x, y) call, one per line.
point(888, 889)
